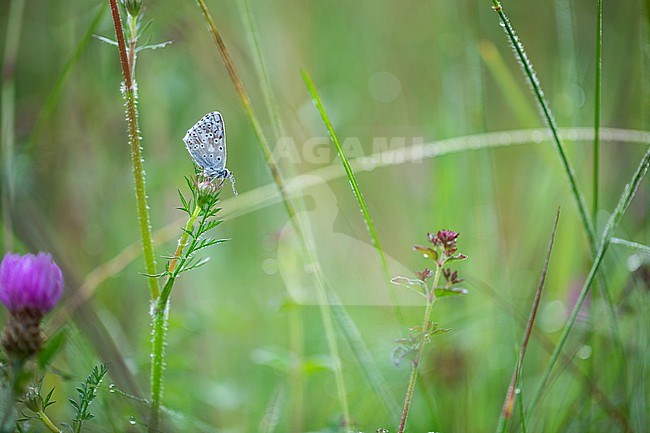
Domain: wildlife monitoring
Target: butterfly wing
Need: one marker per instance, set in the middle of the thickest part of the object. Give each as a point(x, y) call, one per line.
point(206, 143)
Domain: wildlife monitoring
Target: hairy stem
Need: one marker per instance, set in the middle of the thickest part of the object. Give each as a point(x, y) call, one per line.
point(130, 93)
point(597, 97)
point(426, 322)
point(550, 120)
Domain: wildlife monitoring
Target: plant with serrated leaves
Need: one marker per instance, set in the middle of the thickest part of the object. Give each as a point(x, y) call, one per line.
point(134, 31)
point(36, 403)
point(442, 251)
point(87, 393)
point(202, 210)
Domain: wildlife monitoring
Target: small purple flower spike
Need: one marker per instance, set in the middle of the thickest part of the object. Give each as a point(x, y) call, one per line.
point(30, 286)
point(30, 282)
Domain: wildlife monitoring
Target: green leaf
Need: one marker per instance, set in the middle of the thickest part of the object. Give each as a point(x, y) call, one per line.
point(411, 283)
point(153, 47)
point(442, 292)
point(456, 258)
point(106, 40)
point(51, 348)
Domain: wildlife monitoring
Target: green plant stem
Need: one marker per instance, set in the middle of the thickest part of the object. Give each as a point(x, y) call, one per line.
point(310, 256)
point(182, 243)
point(568, 169)
point(130, 97)
point(159, 330)
point(246, 103)
point(426, 322)
point(51, 103)
point(159, 325)
point(296, 321)
point(370, 225)
point(550, 120)
point(597, 98)
point(267, 195)
point(511, 394)
point(623, 203)
point(183, 240)
point(130, 93)
point(8, 105)
point(48, 422)
point(129, 90)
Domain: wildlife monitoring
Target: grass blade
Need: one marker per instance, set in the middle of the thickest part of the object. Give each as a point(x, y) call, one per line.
point(597, 97)
point(517, 100)
point(8, 105)
point(527, 67)
point(633, 245)
point(616, 217)
point(353, 336)
point(56, 92)
point(267, 195)
point(509, 403)
point(370, 225)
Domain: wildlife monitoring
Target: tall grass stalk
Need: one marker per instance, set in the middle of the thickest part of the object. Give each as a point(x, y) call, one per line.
point(513, 95)
point(597, 103)
point(8, 104)
point(550, 120)
point(578, 197)
point(262, 75)
point(130, 93)
point(568, 362)
point(57, 90)
point(268, 195)
point(296, 322)
point(614, 220)
point(511, 394)
point(299, 227)
point(591, 336)
point(370, 225)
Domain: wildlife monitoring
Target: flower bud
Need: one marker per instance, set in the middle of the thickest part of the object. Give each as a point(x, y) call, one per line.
point(33, 400)
point(30, 286)
point(133, 7)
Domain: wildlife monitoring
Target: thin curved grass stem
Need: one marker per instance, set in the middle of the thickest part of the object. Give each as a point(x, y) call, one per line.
point(309, 255)
point(623, 203)
point(597, 103)
point(550, 120)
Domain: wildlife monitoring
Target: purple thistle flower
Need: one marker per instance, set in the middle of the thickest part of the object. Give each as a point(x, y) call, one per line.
point(30, 286)
point(30, 282)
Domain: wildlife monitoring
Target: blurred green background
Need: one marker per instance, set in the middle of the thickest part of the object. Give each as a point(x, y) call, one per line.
point(239, 349)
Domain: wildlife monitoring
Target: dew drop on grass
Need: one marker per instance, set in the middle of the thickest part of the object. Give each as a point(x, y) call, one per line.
point(584, 352)
point(111, 388)
point(132, 420)
point(634, 262)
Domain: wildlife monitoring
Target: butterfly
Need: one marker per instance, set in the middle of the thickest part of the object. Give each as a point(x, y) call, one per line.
point(206, 143)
